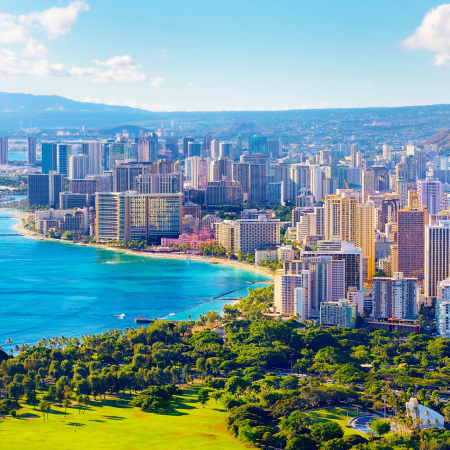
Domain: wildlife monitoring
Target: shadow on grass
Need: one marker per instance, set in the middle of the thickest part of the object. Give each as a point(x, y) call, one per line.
point(76, 424)
point(177, 406)
point(96, 420)
point(114, 418)
point(114, 403)
point(28, 416)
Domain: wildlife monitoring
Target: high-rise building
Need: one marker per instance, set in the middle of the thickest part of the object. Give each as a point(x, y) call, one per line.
point(274, 149)
point(153, 147)
point(239, 144)
point(143, 150)
point(63, 152)
point(342, 251)
point(443, 308)
point(207, 145)
point(136, 217)
point(226, 150)
point(49, 157)
point(437, 256)
point(94, 150)
point(387, 149)
point(249, 234)
point(89, 187)
point(215, 149)
point(44, 189)
point(125, 176)
point(172, 146)
point(31, 150)
point(282, 175)
point(257, 145)
point(429, 193)
point(299, 176)
point(78, 167)
point(4, 161)
point(316, 177)
point(368, 184)
point(225, 192)
point(421, 165)
point(186, 141)
point(395, 298)
point(274, 193)
point(170, 183)
point(411, 242)
point(194, 149)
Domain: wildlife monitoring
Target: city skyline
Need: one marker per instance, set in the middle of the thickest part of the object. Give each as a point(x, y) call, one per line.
point(301, 56)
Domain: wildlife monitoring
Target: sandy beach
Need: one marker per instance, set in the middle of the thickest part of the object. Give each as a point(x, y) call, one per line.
point(181, 256)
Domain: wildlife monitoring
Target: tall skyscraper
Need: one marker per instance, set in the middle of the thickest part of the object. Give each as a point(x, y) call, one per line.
point(411, 242)
point(194, 149)
point(49, 157)
point(153, 147)
point(299, 176)
point(437, 256)
point(94, 150)
point(143, 150)
point(368, 184)
point(62, 159)
point(125, 176)
point(239, 144)
point(207, 144)
point(31, 150)
point(186, 141)
point(44, 189)
point(226, 150)
point(215, 149)
point(429, 192)
point(78, 167)
point(387, 152)
point(257, 145)
point(172, 146)
point(4, 161)
point(274, 149)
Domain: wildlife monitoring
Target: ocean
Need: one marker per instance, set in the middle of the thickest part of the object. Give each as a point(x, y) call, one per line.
point(54, 289)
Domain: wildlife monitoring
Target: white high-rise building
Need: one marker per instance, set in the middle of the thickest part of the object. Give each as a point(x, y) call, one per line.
point(443, 308)
point(316, 177)
point(299, 175)
point(78, 167)
point(437, 256)
point(95, 157)
point(215, 149)
point(387, 151)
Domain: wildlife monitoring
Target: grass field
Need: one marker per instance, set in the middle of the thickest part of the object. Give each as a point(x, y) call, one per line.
point(335, 414)
point(111, 424)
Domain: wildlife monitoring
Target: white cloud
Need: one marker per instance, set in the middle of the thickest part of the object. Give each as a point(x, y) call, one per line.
point(56, 21)
point(190, 85)
point(433, 35)
point(88, 99)
point(119, 61)
point(12, 65)
point(156, 81)
point(35, 50)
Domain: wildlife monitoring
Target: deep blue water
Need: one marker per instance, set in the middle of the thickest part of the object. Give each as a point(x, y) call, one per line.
point(51, 289)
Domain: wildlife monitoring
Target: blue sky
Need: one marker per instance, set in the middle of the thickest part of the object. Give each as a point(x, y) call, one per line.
point(228, 55)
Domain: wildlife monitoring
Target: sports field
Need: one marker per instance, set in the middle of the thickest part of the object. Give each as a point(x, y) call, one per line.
point(111, 424)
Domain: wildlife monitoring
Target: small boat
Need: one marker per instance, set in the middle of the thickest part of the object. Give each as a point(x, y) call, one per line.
point(214, 262)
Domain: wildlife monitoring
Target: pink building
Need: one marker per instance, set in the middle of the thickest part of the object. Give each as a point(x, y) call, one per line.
point(197, 239)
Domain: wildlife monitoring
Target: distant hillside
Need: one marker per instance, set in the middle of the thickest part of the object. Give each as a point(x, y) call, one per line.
point(244, 128)
point(442, 139)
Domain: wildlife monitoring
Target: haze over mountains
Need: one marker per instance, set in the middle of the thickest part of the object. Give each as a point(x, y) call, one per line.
point(51, 111)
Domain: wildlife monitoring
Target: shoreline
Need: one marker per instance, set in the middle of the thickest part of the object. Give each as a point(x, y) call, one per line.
point(19, 215)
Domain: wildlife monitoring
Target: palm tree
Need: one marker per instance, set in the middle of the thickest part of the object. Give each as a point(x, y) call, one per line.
point(9, 341)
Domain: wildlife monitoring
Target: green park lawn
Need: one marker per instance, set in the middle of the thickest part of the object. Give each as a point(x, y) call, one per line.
point(111, 424)
point(335, 414)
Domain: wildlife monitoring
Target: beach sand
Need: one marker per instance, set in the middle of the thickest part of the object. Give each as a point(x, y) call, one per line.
point(181, 256)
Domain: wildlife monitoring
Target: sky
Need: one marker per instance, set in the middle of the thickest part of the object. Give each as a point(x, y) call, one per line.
point(197, 55)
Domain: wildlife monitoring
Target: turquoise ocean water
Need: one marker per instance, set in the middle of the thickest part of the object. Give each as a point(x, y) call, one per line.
point(51, 289)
